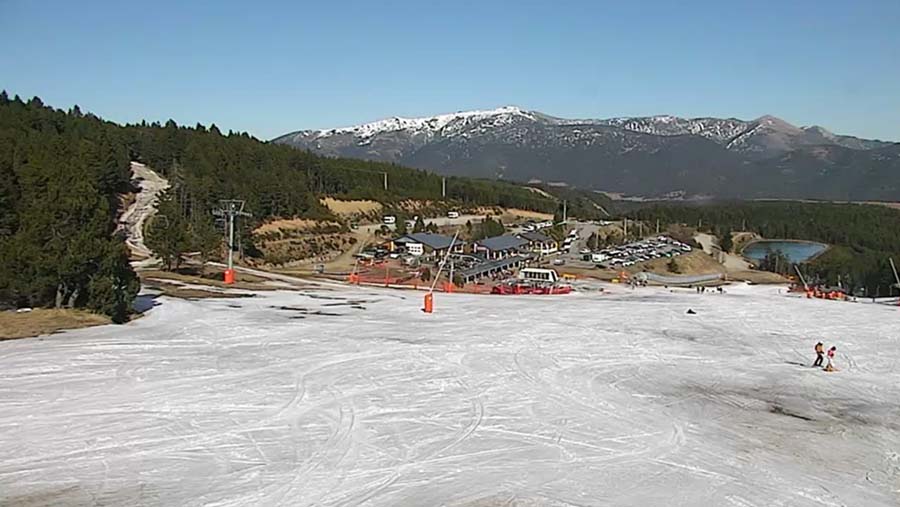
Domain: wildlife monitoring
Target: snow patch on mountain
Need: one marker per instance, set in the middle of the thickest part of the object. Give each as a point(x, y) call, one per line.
point(431, 124)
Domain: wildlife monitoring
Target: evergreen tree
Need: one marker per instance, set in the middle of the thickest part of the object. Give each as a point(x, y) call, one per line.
point(168, 233)
point(400, 227)
point(489, 228)
point(672, 266)
point(725, 241)
point(207, 240)
point(113, 286)
point(419, 225)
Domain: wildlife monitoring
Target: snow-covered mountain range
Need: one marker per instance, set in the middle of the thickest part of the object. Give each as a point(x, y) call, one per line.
point(639, 155)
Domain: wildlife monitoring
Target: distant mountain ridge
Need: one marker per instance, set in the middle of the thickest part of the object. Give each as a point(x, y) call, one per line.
point(765, 157)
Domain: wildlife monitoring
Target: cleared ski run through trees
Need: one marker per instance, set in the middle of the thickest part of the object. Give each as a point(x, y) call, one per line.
point(352, 396)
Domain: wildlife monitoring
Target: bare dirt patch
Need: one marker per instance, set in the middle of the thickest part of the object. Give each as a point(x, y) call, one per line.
point(212, 277)
point(693, 263)
point(194, 293)
point(41, 321)
point(292, 241)
point(351, 208)
point(514, 214)
point(286, 225)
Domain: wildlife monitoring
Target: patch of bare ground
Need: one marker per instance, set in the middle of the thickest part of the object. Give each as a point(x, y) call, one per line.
point(42, 321)
point(287, 242)
point(515, 214)
point(212, 277)
point(694, 263)
point(347, 208)
point(757, 276)
point(193, 293)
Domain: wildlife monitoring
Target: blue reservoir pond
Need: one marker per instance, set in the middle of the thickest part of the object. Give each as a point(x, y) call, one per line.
point(795, 251)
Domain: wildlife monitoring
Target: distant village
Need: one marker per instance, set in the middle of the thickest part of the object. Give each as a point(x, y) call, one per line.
point(525, 254)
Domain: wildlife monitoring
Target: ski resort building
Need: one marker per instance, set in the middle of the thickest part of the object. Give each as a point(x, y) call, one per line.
point(500, 247)
point(492, 268)
point(426, 243)
point(539, 243)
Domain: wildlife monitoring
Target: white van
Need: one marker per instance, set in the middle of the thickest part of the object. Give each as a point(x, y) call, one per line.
point(538, 275)
point(389, 219)
point(453, 214)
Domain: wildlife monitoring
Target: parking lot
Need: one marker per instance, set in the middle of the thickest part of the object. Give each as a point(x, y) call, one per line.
point(580, 255)
point(638, 251)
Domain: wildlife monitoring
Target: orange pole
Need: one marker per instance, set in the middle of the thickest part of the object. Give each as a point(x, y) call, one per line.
point(429, 303)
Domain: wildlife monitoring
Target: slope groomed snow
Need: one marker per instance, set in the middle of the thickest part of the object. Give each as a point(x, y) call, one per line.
point(353, 396)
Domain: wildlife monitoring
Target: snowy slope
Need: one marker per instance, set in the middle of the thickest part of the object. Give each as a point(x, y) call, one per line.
point(429, 125)
point(355, 397)
point(739, 135)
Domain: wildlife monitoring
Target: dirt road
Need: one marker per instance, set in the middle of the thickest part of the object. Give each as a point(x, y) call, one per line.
point(732, 262)
point(132, 221)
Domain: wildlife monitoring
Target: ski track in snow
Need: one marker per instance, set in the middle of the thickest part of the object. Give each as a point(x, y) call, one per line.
point(588, 399)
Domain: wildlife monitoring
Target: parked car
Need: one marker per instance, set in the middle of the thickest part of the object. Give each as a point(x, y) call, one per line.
point(453, 214)
point(558, 262)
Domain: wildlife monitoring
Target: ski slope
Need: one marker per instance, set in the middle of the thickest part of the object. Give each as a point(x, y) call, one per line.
point(352, 396)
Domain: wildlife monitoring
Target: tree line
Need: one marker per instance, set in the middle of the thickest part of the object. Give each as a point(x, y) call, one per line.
point(862, 237)
point(61, 174)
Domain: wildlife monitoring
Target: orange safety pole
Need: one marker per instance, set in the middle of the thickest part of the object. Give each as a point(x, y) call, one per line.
point(229, 276)
point(429, 303)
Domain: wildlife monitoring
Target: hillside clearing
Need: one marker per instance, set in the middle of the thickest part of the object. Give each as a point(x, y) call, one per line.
point(351, 207)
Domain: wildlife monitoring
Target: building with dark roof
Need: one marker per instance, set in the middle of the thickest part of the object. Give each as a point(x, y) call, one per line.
point(491, 268)
point(540, 243)
point(499, 247)
point(421, 243)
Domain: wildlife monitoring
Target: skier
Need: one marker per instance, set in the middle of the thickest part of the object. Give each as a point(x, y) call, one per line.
point(830, 365)
point(820, 354)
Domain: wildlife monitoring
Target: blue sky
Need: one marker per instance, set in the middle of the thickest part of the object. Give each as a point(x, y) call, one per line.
point(269, 68)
